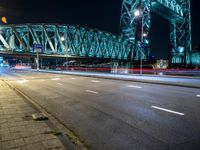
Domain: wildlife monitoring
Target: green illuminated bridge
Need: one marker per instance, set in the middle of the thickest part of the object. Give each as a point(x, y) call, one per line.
point(63, 40)
point(132, 44)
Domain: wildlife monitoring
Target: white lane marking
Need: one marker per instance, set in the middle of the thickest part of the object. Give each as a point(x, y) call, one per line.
point(22, 81)
point(55, 79)
point(95, 81)
point(89, 91)
point(198, 95)
point(59, 84)
point(167, 110)
point(72, 78)
point(133, 86)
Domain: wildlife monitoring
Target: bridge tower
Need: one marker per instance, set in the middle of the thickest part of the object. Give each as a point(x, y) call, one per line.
point(176, 11)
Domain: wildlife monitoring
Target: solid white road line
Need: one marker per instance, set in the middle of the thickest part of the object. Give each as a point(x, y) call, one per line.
point(167, 110)
point(133, 86)
point(95, 81)
point(89, 91)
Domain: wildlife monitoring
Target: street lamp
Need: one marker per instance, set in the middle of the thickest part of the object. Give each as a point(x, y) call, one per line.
point(4, 20)
point(139, 13)
point(66, 63)
point(62, 39)
point(66, 51)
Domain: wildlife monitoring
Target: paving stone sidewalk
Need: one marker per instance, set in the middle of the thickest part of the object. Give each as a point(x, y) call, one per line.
point(18, 130)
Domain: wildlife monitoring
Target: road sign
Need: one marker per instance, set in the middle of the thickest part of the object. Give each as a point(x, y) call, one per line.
point(37, 48)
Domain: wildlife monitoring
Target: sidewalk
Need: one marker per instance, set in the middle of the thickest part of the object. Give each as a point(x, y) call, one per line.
point(18, 129)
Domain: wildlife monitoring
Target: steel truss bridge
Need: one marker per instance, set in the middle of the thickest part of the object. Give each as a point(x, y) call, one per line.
point(63, 40)
point(176, 11)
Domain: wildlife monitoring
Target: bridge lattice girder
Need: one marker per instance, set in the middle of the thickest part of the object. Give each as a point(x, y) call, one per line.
point(78, 41)
point(177, 11)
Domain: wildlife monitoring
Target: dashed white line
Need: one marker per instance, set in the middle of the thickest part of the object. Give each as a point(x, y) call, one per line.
point(95, 81)
point(89, 91)
point(133, 86)
point(55, 79)
point(167, 110)
point(22, 81)
point(59, 84)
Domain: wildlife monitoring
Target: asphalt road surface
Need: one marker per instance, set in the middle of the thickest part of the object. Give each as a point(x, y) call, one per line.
point(115, 114)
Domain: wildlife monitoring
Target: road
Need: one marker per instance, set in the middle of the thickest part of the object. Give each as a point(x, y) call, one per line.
point(115, 114)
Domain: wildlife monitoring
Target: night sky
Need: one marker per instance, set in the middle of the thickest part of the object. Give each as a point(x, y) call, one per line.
point(100, 14)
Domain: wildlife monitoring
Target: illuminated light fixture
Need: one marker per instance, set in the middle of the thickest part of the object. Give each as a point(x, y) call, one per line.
point(62, 38)
point(181, 49)
point(131, 38)
point(4, 20)
point(137, 13)
point(144, 34)
point(146, 41)
point(198, 95)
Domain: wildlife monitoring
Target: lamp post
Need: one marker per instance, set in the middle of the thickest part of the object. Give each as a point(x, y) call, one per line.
point(38, 61)
point(37, 48)
point(66, 51)
point(139, 13)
